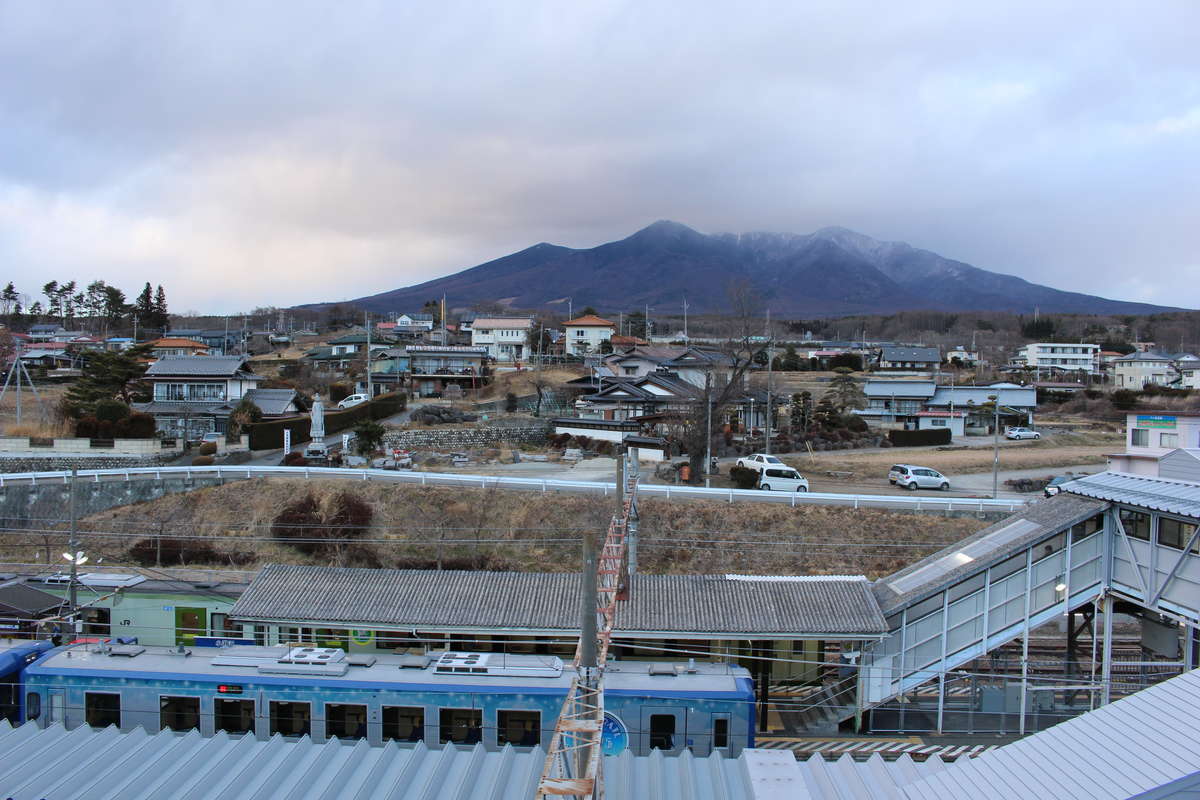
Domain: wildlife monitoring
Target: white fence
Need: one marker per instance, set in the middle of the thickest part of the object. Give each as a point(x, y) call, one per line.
point(918, 503)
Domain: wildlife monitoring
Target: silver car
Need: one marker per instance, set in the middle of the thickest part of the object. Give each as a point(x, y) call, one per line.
point(912, 477)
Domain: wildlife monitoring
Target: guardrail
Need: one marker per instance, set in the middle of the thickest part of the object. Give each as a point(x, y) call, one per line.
point(667, 492)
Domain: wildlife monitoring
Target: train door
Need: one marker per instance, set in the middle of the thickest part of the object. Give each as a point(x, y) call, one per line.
point(663, 728)
point(56, 713)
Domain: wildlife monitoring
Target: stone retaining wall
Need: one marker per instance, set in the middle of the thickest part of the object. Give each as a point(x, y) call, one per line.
point(47, 504)
point(64, 462)
point(467, 438)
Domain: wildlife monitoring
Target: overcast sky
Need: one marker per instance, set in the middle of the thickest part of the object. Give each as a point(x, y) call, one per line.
point(247, 154)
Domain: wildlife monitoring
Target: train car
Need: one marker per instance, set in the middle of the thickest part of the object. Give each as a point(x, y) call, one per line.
point(15, 655)
point(464, 698)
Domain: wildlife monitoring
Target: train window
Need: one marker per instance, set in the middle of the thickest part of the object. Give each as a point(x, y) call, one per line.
point(662, 731)
point(179, 713)
point(520, 728)
point(101, 709)
point(403, 724)
point(290, 719)
point(33, 705)
point(461, 725)
point(234, 716)
point(345, 721)
point(721, 732)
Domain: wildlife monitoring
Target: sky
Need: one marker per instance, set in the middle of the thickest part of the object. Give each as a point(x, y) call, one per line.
point(249, 154)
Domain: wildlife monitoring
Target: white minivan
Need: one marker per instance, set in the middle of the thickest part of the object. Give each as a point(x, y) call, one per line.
point(353, 400)
point(782, 479)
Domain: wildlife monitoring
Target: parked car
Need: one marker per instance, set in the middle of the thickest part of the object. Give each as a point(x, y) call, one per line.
point(782, 479)
point(912, 477)
point(759, 461)
point(212, 437)
point(1021, 433)
point(1056, 483)
point(353, 400)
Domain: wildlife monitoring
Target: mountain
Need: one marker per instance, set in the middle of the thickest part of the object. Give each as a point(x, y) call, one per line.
point(833, 271)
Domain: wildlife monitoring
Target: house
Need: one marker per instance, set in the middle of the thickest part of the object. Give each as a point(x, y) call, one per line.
point(118, 343)
point(1151, 435)
point(194, 395)
point(1060, 357)
point(587, 334)
point(1017, 404)
point(962, 357)
point(504, 338)
point(653, 394)
point(908, 359)
point(47, 357)
point(937, 420)
point(219, 341)
point(1162, 369)
point(50, 332)
point(172, 346)
point(422, 321)
point(356, 343)
point(436, 367)
point(906, 403)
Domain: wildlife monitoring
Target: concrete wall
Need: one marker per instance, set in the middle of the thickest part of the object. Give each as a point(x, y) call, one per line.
point(138, 447)
point(23, 507)
point(466, 438)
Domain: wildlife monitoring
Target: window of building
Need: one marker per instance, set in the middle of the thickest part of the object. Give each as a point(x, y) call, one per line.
point(1136, 524)
point(662, 731)
point(179, 713)
point(1168, 440)
point(345, 721)
point(403, 724)
point(520, 728)
point(461, 725)
point(290, 719)
point(1139, 437)
point(938, 423)
point(233, 716)
point(101, 709)
point(1173, 533)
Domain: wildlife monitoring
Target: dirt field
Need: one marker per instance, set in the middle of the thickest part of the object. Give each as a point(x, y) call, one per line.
point(521, 383)
point(487, 529)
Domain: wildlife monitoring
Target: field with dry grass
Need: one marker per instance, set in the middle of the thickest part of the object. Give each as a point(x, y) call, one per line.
point(522, 383)
point(37, 419)
point(422, 527)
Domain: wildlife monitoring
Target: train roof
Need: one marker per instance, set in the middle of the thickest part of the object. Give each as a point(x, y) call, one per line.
point(333, 667)
point(15, 653)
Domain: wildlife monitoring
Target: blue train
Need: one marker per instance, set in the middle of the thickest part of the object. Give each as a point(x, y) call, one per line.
point(464, 698)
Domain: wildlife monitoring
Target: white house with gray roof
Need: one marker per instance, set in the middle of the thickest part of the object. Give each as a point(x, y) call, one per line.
point(194, 395)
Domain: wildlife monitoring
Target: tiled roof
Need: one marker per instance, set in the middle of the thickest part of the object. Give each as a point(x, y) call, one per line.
point(697, 604)
point(589, 321)
point(875, 388)
point(926, 354)
point(177, 341)
point(271, 402)
point(206, 366)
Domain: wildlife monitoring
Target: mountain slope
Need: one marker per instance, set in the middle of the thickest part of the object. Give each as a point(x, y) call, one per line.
point(829, 272)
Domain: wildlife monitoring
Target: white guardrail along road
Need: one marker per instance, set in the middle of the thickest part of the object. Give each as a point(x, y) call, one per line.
point(667, 492)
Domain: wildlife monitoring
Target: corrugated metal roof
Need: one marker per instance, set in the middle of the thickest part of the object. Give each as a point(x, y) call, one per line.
point(26, 599)
point(876, 388)
point(198, 365)
point(1136, 744)
point(986, 547)
point(1158, 494)
point(1021, 397)
point(548, 601)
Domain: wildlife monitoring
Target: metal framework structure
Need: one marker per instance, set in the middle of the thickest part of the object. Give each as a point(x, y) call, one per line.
point(572, 767)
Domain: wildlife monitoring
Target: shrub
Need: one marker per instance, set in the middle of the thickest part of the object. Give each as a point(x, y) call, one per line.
point(86, 428)
point(203, 461)
point(111, 410)
point(510, 402)
point(321, 529)
point(1124, 399)
point(170, 551)
point(208, 449)
point(137, 425)
point(926, 438)
point(743, 478)
point(339, 392)
point(295, 459)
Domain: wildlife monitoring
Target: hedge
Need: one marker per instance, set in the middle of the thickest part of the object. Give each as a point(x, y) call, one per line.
point(926, 438)
point(268, 435)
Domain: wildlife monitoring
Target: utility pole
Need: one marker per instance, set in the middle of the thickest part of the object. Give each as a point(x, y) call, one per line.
point(367, 323)
point(708, 428)
point(685, 335)
point(995, 444)
point(770, 352)
point(73, 547)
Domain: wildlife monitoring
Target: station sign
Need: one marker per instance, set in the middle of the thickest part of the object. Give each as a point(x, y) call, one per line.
point(1155, 421)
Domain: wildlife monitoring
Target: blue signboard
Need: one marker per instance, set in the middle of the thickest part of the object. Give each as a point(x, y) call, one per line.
point(220, 641)
point(614, 736)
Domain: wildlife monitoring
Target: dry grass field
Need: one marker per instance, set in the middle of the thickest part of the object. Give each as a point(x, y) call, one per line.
point(37, 419)
point(486, 529)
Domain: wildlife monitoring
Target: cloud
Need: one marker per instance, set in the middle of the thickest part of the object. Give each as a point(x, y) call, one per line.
point(243, 156)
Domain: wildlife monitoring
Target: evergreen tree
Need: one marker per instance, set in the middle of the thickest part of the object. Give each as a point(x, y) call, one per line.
point(802, 410)
point(10, 302)
point(143, 307)
point(36, 311)
point(108, 375)
point(844, 391)
point(161, 318)
point(53, 299)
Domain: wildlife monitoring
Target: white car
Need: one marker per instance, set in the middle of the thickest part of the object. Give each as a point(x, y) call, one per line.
point(353, 400)
point(911, 477)
point(759, 461)
point(782, 479)
point(1021, 433)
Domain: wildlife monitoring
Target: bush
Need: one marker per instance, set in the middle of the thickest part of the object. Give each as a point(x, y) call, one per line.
point(1124, 399)
point(87, 427)
point(339, 392)
point(137, 425)
point(203, 461)
point(111, 410)
point(743, 478)
point(169, 551)
point(317, 529)
point(295, 459)
point(927, 438)
point(510, 402)
point(208, 449)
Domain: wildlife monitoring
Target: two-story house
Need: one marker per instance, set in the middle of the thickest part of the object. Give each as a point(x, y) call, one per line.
point(908, 359)
point(1151, 435)
point(587, 334)
point(1161, 369)
point(194, 395)
point(424, 321)
point(173, 346)
point(436, 367)
point(504, 338)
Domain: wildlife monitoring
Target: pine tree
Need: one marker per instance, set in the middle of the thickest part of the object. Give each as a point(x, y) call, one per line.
point(108, 375)
point(143, 307)
point(161, 318)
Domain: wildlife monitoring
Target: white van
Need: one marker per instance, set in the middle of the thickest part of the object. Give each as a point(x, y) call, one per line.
point(782, 479)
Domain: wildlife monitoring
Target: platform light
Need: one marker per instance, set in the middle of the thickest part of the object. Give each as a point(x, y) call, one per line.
point(79, 559)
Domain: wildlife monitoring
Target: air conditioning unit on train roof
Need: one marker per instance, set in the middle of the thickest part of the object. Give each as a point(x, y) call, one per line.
point(314, 655)
point(498, 664)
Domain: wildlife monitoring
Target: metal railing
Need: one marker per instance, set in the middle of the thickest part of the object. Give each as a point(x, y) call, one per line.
point(543, 485)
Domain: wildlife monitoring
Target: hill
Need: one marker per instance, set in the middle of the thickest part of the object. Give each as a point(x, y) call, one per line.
point(833, 271)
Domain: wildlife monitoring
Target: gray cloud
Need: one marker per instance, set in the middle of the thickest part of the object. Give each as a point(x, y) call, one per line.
point(247, 154)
